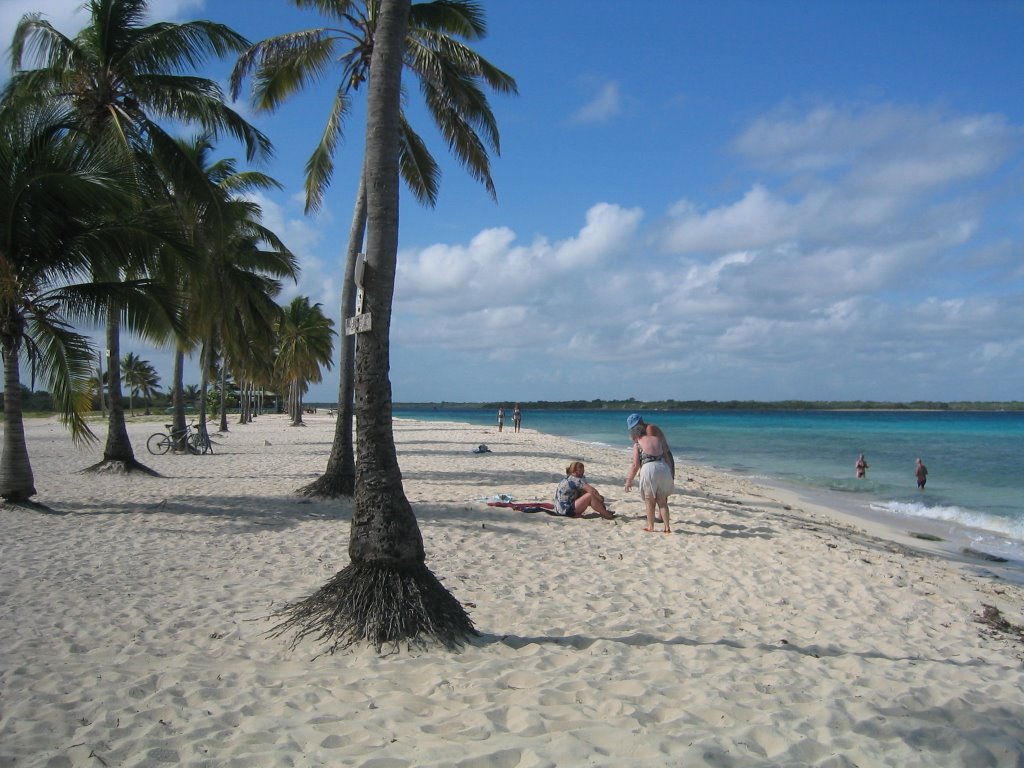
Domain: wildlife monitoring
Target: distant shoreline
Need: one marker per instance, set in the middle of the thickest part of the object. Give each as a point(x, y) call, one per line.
point(727, 405)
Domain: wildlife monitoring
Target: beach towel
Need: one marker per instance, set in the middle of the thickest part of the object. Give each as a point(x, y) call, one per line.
point(525, 506)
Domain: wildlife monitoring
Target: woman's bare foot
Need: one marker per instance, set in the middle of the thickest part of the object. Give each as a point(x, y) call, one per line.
point(648, 530)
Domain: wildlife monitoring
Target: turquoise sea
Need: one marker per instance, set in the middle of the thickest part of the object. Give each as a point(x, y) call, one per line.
point(975, 460)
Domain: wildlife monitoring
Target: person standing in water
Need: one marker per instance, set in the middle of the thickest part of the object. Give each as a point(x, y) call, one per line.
point(861, 466)
point(921, 473)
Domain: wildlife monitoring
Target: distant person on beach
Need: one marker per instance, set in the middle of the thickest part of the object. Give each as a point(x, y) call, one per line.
point(501, 418)
point(575, 495)
point(921, 473)
point(651, 462)
point(862, 466)
point(637, 426)
point(517, 417)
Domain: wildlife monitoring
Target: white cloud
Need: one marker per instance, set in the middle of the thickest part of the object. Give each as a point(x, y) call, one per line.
point(69, 16)
point(606, 104)
point(760, 218)
point(843, 268)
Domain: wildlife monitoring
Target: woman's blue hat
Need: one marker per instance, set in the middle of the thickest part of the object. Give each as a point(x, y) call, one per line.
point(633, 420)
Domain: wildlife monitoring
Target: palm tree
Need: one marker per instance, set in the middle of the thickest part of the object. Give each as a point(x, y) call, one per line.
point(386, 595)
point(230, 312)
point(449, 74)
point(131, 373)
point(141, 378)
point(191, 394)
point(149, 386)
point(64, 207)
point(120, 77)
point(305, 341)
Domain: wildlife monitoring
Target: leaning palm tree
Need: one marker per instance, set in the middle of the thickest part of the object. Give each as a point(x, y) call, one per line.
point(449, 74)
point(305, 340)
point(386, 595)
point(121, 77)
point(64, 206)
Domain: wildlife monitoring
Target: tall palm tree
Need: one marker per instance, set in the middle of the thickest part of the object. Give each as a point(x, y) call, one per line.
point(149, 386)
point(132, 373)
point(140, 377)
point(449, 74)
point(305, 344)
point(230, 311)
point(386, 595)
point(121, 77)
point(64, 206)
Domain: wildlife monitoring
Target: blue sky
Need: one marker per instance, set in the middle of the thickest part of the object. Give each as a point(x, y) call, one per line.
point(729, 200)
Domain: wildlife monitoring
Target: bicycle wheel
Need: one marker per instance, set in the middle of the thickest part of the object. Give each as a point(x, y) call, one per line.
point(200, 443)
point(159, 444)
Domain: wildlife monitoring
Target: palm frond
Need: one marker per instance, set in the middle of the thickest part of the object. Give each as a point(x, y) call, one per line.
point(320, 165)
point(419, 169)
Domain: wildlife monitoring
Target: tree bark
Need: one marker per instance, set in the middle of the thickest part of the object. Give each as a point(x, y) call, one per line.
point(386, 595)
point(339, 479)
point(118, 455)
point(17, 483)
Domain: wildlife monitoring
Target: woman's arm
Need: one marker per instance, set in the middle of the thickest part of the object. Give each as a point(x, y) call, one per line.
point(635, 467)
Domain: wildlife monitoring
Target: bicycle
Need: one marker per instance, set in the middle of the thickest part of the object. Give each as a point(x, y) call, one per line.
point(195, 440)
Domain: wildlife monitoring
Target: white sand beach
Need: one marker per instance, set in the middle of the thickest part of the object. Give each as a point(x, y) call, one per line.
point(762, 632)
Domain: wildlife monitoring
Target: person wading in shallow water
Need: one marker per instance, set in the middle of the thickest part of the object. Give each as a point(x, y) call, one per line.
point(861, 466)
point(921, 473)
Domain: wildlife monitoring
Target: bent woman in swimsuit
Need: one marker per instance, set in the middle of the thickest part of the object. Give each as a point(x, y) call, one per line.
point(655, 476)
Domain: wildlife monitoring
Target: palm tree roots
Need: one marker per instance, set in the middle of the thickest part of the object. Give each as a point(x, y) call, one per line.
point(121, 467)
point(330, 486)
point(378, 605)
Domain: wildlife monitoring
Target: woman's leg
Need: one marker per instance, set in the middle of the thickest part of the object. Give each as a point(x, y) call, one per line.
point(649, 508)
point(663, 505)
point(588, 500)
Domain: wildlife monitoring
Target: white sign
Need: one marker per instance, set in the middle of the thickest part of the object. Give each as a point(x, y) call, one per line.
point(358, 324)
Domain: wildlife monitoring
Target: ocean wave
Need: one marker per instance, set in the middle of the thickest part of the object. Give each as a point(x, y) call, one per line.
point(1010, 528)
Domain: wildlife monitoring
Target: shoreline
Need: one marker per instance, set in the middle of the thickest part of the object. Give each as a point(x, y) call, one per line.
point(764, 631)
point(972, 543)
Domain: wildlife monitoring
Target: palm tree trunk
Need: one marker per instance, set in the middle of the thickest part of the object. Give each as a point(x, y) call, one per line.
point(178, 398)
point(386, 595)
point(17, 483)
point(118, 455)
point(224, 394)
point(204, 386)
point(295, 400)
point(339, 479)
